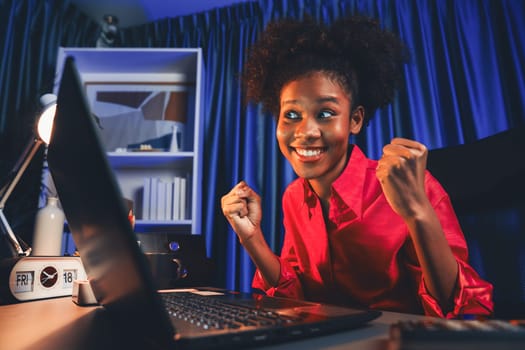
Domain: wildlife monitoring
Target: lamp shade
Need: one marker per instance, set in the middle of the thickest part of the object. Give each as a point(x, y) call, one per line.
point(45, 122)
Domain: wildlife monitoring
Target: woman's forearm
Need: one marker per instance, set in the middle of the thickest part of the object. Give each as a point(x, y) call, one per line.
point(264, 258)
point(439, 266)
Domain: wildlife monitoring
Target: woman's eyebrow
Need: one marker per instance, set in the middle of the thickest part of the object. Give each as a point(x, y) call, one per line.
point(320, 100)
point(328, 99)
point(289, 102)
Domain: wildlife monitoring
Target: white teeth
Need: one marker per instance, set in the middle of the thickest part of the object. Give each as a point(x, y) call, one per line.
point(308, 152)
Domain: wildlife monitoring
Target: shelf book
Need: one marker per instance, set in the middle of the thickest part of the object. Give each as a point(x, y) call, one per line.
point(165, 199)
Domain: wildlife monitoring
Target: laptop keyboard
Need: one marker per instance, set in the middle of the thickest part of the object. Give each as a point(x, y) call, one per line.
point(210, 313)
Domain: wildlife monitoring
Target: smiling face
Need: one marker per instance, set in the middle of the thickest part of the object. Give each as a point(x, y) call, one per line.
point(314, 125)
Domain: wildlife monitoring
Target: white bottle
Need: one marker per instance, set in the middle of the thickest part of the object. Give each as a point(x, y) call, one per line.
point(177, 136)
point(49, 228)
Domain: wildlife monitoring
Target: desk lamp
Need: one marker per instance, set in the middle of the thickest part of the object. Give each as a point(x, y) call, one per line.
point(35, 277)
point(43, 135)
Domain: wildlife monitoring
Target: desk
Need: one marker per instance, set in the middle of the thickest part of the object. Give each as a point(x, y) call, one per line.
point(61, 324)
point(48, 324)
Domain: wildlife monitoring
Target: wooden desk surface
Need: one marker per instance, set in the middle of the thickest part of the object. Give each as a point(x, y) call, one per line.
point(45, 324)
point(61, 324)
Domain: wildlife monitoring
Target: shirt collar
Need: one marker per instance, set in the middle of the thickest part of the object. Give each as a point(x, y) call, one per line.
point(349, 185)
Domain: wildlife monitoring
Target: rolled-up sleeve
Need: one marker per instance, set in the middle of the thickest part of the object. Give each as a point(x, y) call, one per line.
point(473, 296)
point(288, 285)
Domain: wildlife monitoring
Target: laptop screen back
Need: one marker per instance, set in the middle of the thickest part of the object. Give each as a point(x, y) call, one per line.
point(96, 215)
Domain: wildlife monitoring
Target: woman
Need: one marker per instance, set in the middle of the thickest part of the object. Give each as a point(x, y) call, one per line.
point(379, 234)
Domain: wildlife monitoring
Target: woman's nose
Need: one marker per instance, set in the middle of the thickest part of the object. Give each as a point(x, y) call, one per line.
point(307, 128)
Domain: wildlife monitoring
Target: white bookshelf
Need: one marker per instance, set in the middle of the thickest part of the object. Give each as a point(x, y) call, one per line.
point(139, 94)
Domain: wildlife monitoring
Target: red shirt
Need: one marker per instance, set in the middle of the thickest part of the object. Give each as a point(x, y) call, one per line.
point(363, 256)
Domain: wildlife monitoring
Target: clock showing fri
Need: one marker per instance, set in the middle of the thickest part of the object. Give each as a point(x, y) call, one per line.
point(34, 278)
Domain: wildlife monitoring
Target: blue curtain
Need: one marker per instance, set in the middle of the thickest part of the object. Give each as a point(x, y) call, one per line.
point(30, 33)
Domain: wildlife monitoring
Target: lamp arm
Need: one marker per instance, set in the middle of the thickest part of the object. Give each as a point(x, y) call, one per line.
point(12, 237)
point(22, 165)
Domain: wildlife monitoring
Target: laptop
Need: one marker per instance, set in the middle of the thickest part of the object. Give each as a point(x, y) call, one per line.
point(118, 270)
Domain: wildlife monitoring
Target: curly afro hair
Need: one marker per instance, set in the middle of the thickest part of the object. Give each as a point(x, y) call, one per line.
point(364, 59)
